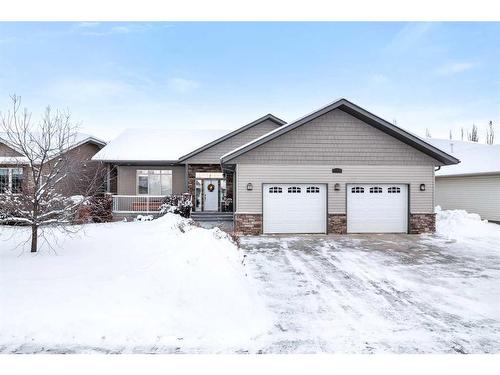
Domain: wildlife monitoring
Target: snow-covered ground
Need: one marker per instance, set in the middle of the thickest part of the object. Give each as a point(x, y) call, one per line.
point(140, 286)
point(167, 286)
point(383, 293)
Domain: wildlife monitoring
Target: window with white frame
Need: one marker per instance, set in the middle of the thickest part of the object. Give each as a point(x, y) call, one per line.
point(294, 189)
point(11, 180)
point(393, 190)
point(154, 182)
point(312, 189)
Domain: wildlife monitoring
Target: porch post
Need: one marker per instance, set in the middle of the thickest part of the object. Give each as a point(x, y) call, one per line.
point(108, 178)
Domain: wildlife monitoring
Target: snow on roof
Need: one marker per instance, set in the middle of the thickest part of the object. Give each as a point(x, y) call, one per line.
point(156, 144)
point(475, 158)
point(76, 140)
point(13, 160)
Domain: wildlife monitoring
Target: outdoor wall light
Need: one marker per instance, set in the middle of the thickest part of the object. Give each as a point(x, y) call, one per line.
point(422, 187)
point(336, 187)
point(249, 186)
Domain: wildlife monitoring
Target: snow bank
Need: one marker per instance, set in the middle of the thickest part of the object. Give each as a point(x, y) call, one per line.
point(461, 226)
point(164, 283)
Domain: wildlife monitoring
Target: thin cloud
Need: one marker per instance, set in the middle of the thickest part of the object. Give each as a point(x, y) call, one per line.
point(410, 35)
point(455, 68)
point(183, 85)
point(89, 90)
point(110, 31)
point(86, 25)
point(379, 78)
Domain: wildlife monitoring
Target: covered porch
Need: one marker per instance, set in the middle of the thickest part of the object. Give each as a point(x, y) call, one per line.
point(142, 189)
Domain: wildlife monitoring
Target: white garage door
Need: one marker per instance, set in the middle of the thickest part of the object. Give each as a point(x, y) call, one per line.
point(294, 208)
point(377, 208)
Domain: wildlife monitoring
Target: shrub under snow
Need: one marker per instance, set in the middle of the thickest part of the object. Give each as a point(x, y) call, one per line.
point(161, 284)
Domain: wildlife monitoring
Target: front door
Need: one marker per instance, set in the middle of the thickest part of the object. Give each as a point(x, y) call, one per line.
point(210, 195)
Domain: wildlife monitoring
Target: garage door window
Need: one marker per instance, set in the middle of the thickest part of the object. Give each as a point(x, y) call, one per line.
point(357, 190)
point(294, 189)
point(275, 190)
point(312, 189)
point(394, 190)
point(376, 190)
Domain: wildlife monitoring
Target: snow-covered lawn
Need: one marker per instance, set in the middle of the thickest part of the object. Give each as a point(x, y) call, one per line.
point(167, 286)
point(140, 286)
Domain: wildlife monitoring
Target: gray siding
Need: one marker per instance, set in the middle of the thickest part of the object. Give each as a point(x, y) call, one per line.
point(127, 183)
point(339, 138)
point(213, 154)
point(414, 175)
point(475, 194)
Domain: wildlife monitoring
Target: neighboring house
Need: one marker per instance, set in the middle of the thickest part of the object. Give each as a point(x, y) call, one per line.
point(339, 169)
point(14, 169)
point(474, 184)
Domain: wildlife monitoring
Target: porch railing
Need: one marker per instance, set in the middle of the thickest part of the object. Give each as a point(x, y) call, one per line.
point(132, 204)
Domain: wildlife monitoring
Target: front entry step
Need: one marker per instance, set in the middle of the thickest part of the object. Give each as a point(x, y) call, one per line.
point(212, 216)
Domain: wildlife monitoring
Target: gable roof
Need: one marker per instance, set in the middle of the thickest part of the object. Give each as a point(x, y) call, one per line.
point(475, 158)
point(155, 145)
point(260, 120)
point(78, 140)
point(358, 112)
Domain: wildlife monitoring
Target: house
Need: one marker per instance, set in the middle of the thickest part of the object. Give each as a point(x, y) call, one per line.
point(339, 169)
point(144, 166)
point(474, 184)
point(14, 169)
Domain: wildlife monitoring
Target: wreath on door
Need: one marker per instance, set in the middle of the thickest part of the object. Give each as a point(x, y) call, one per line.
point(211, 187)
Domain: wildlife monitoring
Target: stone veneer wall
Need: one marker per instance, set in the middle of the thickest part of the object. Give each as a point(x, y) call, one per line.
point(422, 223)
point(337, 223)
point(250, 224)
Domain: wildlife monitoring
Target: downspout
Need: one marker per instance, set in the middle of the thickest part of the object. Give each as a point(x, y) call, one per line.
point(437, 169)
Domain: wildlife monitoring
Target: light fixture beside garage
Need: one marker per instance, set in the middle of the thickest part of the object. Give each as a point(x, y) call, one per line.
point(336, 187)
point(422, 187)
point(249, 186)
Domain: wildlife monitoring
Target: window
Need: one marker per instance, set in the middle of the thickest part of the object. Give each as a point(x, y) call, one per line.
point(312, 189)
point(275, 189)
point(294, 189)
point(11, 180)
point(357, 190)
point(209, 175)
point(4, 180)
point(154, 182)
point(376, 189)
point(17, 180)
point(393, 189)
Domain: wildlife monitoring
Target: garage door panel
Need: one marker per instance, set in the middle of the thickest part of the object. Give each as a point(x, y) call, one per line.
point(294, 208)
point(377, 208)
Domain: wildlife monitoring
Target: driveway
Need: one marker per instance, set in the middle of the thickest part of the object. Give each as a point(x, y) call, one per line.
point(377, 293)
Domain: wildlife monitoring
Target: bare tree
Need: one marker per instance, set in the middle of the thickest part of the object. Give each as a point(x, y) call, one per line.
point(462, 133)
point(451, 134)
point(490, 134)
point(45, 167)
point(472, 136)
point(427, 133)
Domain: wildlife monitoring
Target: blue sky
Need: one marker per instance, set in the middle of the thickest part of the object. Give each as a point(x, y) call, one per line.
point(113, 76)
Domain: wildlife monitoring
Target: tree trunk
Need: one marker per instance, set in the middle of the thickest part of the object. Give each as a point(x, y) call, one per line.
point(34, 238)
